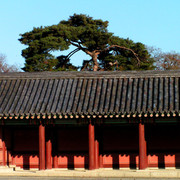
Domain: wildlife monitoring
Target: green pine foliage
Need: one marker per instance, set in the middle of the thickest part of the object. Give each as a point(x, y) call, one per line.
point(88, 35)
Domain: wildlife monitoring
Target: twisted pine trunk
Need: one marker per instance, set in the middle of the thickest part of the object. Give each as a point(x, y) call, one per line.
point(94, 58)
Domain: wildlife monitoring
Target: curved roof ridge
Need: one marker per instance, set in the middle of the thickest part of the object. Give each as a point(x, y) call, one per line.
point(90, 74)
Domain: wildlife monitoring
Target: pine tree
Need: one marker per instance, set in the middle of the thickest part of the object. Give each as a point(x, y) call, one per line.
point(106, 51)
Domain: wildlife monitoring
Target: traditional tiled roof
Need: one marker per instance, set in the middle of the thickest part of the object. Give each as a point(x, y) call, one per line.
point(90, 94)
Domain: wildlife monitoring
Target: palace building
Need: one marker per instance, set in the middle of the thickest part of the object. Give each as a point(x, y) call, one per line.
point(91, 120)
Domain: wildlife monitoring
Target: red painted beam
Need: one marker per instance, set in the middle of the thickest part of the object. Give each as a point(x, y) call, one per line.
point(48, 154)
point(91, 147)
point(41, 147)
point(142, 147)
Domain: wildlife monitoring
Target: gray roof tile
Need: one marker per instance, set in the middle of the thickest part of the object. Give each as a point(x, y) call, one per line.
point(90, 93)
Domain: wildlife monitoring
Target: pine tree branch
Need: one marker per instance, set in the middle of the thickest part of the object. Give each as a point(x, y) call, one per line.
point(77, 45)
point(122, 47)
point(85, 65)
point(72, 52)
point(82, 48)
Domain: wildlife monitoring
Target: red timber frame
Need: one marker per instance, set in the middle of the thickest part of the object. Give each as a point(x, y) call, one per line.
point(142, 147)
point(47, 147)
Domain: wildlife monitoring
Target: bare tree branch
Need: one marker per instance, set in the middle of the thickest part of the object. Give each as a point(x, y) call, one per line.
point(4, 67)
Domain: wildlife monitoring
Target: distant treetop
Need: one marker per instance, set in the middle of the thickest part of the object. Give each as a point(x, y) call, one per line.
point(4, 67)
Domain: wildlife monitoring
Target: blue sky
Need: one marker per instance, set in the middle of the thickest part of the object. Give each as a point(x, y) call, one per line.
point(152, 22)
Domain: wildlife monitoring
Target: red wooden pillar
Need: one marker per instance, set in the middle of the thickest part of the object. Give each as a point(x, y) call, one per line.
point(101, 161)
point(96, 146)
point(13, 160)
point(55, 161)
point(48, 154)
point(100, 132)
point(4, 152)
point(2, 147)
point(42, 147)
point(142, 147)
point(54, 148)
point(91, 147)
point(96, 151)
